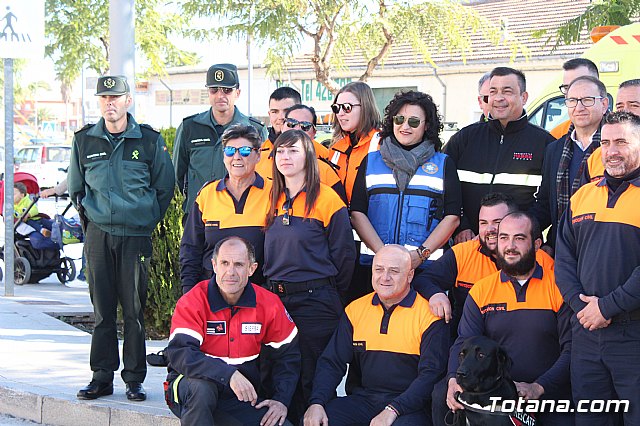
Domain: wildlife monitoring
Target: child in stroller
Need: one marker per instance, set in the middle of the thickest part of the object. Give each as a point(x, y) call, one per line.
point(40, 238)
point(32, 264)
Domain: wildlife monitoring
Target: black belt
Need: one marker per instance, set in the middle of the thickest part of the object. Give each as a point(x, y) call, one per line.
point(626, 317)
point(284, 288)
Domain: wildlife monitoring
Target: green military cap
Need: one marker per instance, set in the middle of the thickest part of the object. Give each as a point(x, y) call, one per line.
point(223, 75)
point(114, 85)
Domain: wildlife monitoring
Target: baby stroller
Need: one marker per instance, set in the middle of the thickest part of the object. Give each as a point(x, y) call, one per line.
point(31, 264)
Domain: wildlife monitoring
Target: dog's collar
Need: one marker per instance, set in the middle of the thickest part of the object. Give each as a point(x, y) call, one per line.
point(516, 417)
point(477, 408)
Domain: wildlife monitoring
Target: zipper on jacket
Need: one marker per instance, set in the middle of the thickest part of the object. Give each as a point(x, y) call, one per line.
point(495, 167)
point(399, 221)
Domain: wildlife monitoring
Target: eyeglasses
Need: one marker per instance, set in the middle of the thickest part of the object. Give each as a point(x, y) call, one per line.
point(414, 122)
point(346, 107)
point(292, 123)
point(225, 90)
point(587, 101)
point(564, 88)
point(244, 151)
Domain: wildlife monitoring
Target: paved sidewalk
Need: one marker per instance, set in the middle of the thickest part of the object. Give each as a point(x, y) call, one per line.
point(44, 361)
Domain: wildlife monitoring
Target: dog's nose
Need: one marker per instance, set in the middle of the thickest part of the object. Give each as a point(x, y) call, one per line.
point(461, 374)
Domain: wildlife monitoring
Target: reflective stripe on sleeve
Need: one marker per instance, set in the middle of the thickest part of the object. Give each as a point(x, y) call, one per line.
point(234, 361)
point(286, 341)
point(188, 332)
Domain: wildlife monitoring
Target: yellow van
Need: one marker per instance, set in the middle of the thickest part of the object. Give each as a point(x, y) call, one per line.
point(617, 56)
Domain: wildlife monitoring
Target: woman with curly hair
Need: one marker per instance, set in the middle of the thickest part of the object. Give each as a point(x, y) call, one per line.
point(408, 192)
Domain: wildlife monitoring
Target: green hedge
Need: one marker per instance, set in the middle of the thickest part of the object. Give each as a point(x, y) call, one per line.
point(164, 274)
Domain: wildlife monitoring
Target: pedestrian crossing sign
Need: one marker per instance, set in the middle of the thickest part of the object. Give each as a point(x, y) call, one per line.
point(22, 29)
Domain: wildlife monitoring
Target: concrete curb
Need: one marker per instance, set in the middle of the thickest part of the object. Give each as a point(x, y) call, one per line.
point(51, 410)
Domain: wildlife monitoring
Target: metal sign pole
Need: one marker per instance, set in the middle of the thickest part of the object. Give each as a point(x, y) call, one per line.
point(8, 178)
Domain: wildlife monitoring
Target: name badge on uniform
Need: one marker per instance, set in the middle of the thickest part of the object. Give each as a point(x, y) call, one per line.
point(251, 327)
point(217, 327)
point(359, 345)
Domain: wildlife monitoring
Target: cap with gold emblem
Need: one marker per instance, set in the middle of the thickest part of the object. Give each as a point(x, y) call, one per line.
point(114, 85)
point(223, 75)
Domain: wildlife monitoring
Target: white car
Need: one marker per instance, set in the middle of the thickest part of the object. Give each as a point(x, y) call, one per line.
point(44, 162)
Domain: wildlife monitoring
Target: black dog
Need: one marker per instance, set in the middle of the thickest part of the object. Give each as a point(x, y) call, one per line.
point(484, 373)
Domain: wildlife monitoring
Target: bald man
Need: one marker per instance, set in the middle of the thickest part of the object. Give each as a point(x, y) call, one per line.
point(398, 344)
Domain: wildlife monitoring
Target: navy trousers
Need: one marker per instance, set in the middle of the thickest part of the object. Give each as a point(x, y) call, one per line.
point(605, 365)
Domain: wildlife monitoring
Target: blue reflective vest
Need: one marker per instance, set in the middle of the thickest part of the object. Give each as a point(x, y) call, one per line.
point(409, 217)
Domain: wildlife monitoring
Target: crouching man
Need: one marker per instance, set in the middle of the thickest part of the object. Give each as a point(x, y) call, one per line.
point(217, 331)
point(397, 346)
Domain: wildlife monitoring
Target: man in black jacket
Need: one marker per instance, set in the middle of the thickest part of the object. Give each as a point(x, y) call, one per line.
point(504, 154)
point(566, 159)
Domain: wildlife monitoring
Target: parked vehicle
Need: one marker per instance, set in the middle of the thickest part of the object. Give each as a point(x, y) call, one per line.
point(44, 161)
point(617, 55)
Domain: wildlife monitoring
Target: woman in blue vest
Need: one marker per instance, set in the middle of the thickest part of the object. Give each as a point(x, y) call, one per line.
point(407, 192)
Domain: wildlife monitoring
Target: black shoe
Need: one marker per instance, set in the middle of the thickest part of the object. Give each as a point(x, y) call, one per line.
point(95, 389)
point(135, 392)
point(158, 360)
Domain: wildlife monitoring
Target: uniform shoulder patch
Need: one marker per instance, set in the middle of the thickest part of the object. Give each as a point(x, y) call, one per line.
point(190, 116)
point(146, 126)
point(256, 121)
point(85, 127)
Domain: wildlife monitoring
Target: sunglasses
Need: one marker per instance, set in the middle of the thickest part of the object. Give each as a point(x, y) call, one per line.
point(413, 122)
point(346, 107)
point(244, 151)
point(225, 90)
point(292, 123)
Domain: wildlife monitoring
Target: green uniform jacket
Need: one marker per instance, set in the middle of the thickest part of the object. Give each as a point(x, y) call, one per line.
point(125, 187)
point(197, 151)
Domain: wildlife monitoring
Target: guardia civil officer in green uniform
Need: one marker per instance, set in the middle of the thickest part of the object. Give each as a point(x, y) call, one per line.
point(121, 181)
point(197, 151)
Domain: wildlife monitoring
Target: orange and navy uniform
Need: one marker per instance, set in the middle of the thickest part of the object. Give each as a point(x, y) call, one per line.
point(401, 352)
point(215, 215)
point(530, 321)
point(328, 175)
point(347, 157)
point(595, 169)
point(211, 340)
point(459, 269)
point(604, 222)
point(318, 246)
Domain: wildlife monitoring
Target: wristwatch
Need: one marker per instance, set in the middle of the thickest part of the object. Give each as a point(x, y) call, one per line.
point(423, 252)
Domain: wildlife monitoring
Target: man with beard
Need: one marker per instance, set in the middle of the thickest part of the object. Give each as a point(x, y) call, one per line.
point(521, 308)
point(599, 275)
point(466, 263)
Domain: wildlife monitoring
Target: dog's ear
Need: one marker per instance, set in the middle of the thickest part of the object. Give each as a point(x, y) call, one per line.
point(504, 363)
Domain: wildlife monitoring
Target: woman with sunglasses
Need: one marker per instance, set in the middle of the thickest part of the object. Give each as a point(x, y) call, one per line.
point(408, 192)
point(355, 124)
point(235, 205)
point(309, 250)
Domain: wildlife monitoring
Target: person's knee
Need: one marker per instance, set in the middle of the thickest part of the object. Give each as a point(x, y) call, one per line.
point(201, 393)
